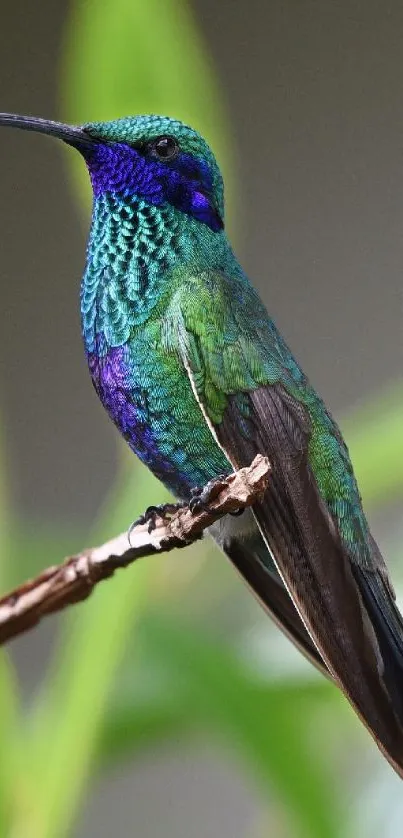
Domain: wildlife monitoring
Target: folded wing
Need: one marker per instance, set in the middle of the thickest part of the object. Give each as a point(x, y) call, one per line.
point(246, 383)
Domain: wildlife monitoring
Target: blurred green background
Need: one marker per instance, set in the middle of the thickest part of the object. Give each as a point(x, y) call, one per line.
point(168, 704)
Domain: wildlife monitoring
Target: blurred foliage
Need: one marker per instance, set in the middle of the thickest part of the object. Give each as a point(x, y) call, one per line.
point(127, 57)
point(132, 666)
point(375, 439)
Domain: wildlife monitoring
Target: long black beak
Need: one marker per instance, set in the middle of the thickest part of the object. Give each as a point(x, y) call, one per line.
point(71, 134)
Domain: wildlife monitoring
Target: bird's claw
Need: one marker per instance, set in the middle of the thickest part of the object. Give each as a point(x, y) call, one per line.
point(201, 497)
point(162, 510)
point(198, 504)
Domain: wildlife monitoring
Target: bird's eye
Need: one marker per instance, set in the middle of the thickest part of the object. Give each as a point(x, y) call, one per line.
point(165, 148)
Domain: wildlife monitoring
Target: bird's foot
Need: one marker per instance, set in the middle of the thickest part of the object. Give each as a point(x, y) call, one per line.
point(202, 497)
point(162, 510)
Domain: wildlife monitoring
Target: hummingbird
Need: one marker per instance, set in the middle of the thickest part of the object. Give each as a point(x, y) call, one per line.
point(198, 380)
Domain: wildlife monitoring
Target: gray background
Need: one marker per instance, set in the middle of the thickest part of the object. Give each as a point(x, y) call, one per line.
point(315, 93)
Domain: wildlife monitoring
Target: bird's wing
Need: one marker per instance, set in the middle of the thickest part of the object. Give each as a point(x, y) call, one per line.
point(241, 540)
point(245, 381)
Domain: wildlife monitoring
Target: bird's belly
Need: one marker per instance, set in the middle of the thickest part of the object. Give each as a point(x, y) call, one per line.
point(149, 398)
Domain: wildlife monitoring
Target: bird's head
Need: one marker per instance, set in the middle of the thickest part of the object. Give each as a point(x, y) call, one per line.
point(155, 158)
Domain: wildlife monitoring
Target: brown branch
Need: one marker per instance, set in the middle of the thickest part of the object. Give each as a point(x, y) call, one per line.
point(75, 579)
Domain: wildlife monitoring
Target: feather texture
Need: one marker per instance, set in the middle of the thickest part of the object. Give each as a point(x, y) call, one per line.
point(198, 380)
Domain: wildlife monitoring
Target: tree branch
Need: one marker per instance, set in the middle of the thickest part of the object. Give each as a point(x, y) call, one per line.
point(74, 580)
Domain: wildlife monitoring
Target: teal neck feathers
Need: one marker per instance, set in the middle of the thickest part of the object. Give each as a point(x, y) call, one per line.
point(135, 249)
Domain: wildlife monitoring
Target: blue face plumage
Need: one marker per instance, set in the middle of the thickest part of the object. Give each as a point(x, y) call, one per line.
point(184, 181)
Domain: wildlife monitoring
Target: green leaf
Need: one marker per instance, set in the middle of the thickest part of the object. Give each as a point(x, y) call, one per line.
point(139, 718)
point(14, 786)
point(131, 57)
point(12, 776)
point(267, 723)
point(152, 703)
point(75, 695)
